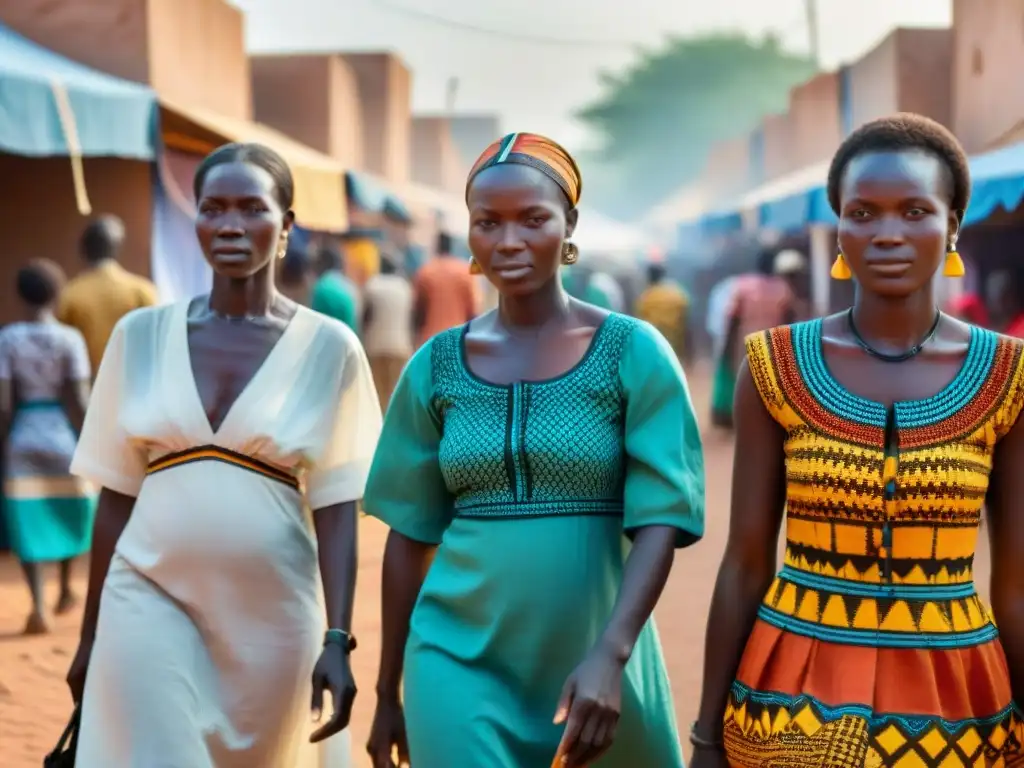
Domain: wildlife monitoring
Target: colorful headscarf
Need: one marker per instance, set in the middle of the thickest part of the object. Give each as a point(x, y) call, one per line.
point(547, 156)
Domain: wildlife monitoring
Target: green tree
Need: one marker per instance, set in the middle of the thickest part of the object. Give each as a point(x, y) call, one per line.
point(657, 121)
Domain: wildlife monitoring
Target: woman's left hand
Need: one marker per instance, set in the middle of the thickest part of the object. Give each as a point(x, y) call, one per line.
point(590, 705)
point(332, 673)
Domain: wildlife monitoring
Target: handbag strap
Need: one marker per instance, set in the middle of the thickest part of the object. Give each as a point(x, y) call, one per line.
point(70, 736)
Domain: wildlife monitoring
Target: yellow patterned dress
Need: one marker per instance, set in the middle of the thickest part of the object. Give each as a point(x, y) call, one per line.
point(872, 647)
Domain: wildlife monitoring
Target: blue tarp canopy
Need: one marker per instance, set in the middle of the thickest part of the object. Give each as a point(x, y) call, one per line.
point(371, 195)
point(789, 203)
point(997, 179)
point(998, 183)
point(109, 116)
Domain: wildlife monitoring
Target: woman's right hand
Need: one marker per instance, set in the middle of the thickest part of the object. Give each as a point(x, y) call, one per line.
point(705, 757)
point(387, 735)
point(78, 670)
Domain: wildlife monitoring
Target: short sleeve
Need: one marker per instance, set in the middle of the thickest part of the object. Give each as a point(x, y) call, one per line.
point(664, 457)
point(339, 474)
point(406, 490)
point(105, 454)
point(78, 366)
point(759, 359)
point(1011, 404)
point(148, 295)
point(65, 308)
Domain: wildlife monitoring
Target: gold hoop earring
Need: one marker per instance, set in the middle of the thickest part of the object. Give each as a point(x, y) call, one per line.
point(570, 252)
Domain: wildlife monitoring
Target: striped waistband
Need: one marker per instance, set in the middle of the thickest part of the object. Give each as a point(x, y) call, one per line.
point(216, 453)
point(878, 590)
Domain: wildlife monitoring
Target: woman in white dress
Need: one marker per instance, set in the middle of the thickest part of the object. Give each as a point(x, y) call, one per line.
point(215, 425)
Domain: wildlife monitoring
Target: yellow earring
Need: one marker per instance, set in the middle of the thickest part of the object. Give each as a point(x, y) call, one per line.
point(474, 268)
point(954, 266)
point(840, 269)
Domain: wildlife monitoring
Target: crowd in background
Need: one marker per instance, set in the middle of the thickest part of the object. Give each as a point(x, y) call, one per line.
point(48, 358)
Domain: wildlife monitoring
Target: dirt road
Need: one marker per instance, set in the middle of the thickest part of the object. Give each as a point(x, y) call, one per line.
point(34, 701)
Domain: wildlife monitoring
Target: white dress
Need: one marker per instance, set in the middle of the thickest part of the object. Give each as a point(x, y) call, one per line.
point(211, 618)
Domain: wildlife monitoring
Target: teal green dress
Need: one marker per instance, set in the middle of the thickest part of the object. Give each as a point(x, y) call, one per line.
point(532, 491)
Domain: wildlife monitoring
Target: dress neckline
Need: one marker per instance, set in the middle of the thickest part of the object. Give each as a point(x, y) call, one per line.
point(808, 347)
point(281, 347)
point(464, 361)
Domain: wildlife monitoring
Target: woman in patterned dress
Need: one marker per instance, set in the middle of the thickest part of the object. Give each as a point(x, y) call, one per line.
point(882, 431)
point(44, 387)
point(520, 454)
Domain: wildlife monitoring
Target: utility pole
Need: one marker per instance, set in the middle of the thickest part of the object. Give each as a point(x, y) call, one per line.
point(450, 95)
point(811, 12)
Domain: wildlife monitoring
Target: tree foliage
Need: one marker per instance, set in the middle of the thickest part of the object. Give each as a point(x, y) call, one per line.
point(657, 120)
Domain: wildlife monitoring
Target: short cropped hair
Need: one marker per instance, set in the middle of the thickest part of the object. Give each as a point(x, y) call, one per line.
point(39, 282)
point(905, 131)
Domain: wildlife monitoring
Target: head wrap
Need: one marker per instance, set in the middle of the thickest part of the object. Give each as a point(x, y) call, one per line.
point(547, 156)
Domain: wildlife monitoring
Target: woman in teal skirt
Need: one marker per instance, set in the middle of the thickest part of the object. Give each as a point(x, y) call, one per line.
point(44, 386)
point(538, 468)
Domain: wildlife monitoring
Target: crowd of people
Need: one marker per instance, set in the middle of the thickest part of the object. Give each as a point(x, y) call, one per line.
point(538, 465)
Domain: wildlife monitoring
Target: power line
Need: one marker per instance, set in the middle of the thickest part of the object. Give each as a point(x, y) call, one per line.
point(502, 33)
point(799, 24)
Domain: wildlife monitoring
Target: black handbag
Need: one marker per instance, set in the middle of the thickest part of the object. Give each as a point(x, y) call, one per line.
point(63, 755)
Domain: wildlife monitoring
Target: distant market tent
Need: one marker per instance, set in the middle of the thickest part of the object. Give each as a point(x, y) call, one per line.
point(997, 179)
point(53, 106)
point(609, 240)
point(319, 180)
point(110, 117)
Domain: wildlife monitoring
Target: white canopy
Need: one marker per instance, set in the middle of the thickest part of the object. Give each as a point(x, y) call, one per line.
point(600, 235)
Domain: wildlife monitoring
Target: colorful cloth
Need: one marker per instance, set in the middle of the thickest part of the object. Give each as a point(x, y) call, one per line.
point(872, 647)
point(334, 295)
point(759, 302)
point(664, 306)
point(529, 490)
point(539, 152)
point(95, 300)
point(49, 512)
point(1015, 327)
point(723, 388)
point(971, 308)
point(213, 614)
point(445, 296)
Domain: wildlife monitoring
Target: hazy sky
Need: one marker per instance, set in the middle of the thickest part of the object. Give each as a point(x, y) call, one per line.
point(536, 85)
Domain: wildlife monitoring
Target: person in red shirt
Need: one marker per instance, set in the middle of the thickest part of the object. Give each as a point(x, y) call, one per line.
point(1004, 304)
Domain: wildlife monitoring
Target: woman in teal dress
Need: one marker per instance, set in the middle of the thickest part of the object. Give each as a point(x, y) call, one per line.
point(538, 468)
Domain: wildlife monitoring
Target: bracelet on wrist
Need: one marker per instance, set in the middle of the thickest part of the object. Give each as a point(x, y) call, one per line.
point(345, 640)
point(701, 743)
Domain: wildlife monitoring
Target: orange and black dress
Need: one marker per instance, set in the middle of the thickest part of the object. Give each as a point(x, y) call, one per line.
point(872, 647)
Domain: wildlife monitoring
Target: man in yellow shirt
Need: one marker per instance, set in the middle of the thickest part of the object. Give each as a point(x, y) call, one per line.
point(664, 304)
point(105, 291)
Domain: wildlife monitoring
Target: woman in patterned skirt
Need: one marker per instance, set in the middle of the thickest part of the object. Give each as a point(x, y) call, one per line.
point(518, 453)
point(44, 386)
point(882, 431)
